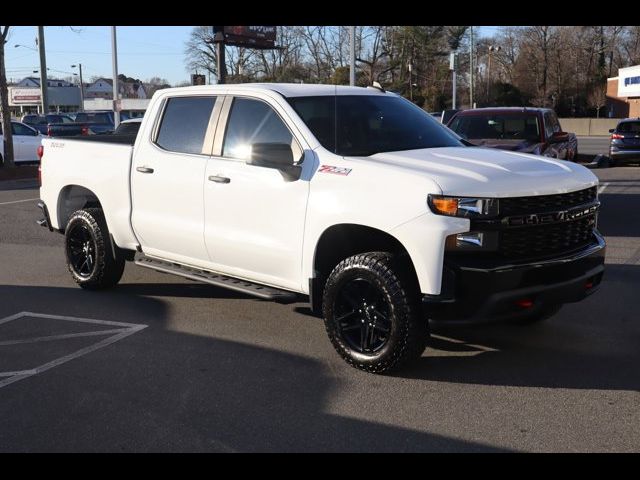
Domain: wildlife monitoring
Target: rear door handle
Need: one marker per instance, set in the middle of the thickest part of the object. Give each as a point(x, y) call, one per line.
point(144, 169)
point(219, 179)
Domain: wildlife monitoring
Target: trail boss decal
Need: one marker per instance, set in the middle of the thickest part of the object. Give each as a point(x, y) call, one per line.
point(334, 170)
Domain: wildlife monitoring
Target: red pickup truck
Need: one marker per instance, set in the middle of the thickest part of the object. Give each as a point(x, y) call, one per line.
point(521, 129)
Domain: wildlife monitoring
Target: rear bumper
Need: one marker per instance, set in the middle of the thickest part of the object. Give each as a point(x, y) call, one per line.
point(624, 154)
point(473, 291)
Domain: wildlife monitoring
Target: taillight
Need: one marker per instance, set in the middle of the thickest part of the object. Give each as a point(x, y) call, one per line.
point(616, 136)
point(49, 131)
point(40, 153)
point(84, 131)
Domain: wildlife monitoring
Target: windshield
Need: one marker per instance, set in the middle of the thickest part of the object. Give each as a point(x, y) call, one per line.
point(370, 124)
point(503, 127)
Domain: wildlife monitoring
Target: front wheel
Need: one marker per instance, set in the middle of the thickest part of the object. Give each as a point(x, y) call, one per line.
point(90, 255)
point(372, 312)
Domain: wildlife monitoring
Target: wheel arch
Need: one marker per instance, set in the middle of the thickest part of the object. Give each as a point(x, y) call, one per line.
point(73, 198)
point(343, 240)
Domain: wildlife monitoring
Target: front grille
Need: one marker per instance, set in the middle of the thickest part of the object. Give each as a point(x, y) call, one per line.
point(543, 240)
point(547, 203)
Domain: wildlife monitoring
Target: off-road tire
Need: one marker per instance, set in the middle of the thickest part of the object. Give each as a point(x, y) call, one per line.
point(409, 330)
point(106, 271)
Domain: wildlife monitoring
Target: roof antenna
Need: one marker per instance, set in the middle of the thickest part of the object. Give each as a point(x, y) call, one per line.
point(377, 86)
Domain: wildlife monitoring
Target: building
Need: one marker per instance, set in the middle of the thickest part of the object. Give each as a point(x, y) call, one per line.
point(623, 93)
point(34, 82)
point(25, 96)
point(103, 88)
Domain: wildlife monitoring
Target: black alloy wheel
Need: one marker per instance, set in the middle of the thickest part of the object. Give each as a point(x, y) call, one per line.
point(81, 250)
point(362, 316)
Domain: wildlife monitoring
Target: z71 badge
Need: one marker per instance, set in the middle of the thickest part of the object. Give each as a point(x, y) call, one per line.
point(334, 170)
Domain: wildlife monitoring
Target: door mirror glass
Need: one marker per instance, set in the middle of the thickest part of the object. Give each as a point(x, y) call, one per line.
point(273, 155)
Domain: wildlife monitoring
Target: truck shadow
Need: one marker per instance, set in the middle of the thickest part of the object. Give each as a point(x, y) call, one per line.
point(616, 217)
point(179, 290)
point(589, 345)
point(164, 390)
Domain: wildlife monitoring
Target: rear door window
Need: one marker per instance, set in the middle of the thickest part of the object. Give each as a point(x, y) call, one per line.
point(184, 124)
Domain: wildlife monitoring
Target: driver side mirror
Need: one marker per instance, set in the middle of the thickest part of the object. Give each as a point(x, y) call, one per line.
point(559, 137)
point(275, 155)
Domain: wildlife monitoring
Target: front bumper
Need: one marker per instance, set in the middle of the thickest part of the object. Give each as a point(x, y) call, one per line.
point(476, 290)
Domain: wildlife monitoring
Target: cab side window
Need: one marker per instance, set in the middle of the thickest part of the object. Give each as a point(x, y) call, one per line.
point(253, 121)
point(18, 129)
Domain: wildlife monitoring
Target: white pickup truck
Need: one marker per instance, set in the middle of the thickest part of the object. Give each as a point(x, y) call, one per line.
point(352, 197)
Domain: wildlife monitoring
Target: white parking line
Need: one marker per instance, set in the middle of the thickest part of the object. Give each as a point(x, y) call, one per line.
point(19, 201)
point(602, 187)
point(125, 330)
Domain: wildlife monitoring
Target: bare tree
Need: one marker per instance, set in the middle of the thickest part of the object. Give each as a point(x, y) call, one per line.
point(5, 113)
point(598, 98)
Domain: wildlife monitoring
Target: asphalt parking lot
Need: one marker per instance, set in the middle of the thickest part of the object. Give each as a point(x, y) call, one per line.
point(164, 364)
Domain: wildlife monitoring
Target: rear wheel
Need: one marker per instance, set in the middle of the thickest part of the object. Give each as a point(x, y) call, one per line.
point(90, 256)
point(372, 313)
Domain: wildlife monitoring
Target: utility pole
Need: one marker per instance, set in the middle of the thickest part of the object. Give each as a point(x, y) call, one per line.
point(471, 70)
point(114, 59)
point(43, 72)
point(352, 56)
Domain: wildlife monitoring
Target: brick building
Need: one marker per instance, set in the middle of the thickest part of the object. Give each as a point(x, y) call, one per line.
point(623, 93)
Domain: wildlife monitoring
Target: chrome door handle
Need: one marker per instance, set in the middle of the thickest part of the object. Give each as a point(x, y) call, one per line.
point(219, 179)
point(144, 169)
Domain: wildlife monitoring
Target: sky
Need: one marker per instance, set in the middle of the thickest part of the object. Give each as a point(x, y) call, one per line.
point(143, 52)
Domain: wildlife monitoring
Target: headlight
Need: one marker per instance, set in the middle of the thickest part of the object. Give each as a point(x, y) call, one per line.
point(465, 207)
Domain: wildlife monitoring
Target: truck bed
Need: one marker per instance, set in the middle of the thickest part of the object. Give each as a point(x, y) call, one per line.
point(100, 164)
point(122, 139)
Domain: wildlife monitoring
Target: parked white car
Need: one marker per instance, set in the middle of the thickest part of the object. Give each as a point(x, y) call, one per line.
point(26, 141)
point(352, 198)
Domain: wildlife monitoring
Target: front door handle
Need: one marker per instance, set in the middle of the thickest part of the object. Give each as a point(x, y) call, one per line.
point(144, 169)
point(219, 179)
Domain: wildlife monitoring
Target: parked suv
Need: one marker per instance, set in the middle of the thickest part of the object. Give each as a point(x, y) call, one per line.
point(625, 142)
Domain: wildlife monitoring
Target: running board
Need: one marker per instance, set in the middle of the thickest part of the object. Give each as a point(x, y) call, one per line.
point(257, 290)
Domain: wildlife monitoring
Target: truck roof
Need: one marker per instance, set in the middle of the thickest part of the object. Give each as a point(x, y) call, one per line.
point(285, 89)
point(473, 111)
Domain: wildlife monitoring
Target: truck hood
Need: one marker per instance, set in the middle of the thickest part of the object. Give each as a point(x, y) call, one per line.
point(484, 172)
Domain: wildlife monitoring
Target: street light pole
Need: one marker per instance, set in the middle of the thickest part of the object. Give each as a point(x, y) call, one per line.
point(410, 82)
point(114, 58)
point(452, 67)
point(43, 72)
point(81, 87)
point(492, 48)
point(471, 70)
point(352, 56)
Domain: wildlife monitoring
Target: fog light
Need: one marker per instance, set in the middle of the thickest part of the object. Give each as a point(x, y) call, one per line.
point(470, 239)
point(525, 303)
